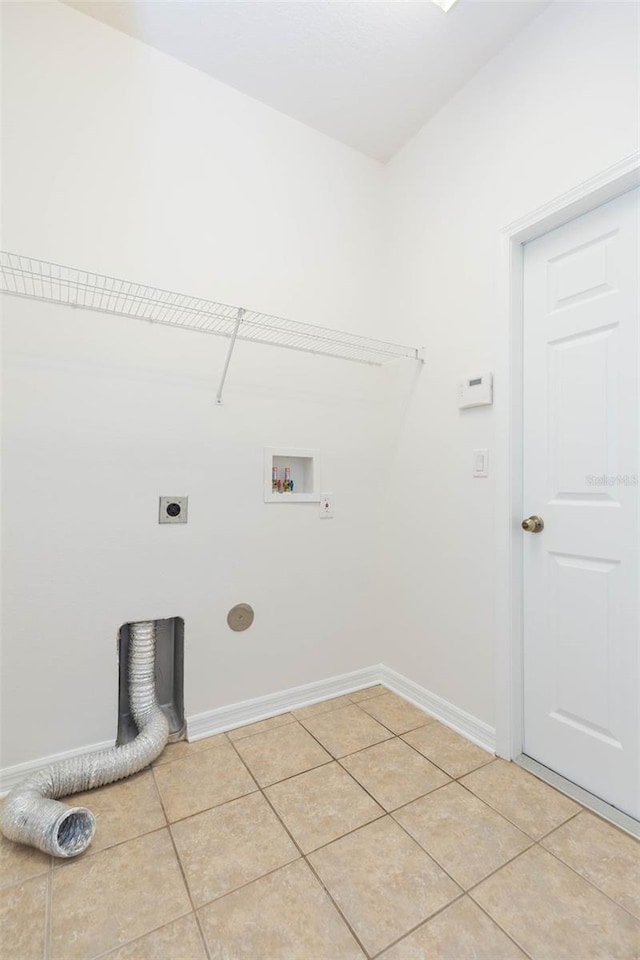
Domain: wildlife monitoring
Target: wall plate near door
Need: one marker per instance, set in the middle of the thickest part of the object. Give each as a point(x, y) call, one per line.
point(481, 463)
point(476, 391)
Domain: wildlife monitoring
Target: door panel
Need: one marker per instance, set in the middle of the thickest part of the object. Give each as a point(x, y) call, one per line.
point(580, 614)
point(581, 580)
point(579, 382)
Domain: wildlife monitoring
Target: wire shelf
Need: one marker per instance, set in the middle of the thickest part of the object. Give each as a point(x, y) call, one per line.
point(25, 277)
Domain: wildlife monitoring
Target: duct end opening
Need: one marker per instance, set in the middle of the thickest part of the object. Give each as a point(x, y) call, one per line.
point(74, 832)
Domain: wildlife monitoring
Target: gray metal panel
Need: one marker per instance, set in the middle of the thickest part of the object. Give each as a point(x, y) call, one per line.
point(169, 679)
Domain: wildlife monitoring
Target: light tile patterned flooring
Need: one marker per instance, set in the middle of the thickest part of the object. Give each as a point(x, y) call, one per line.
point(358, 827)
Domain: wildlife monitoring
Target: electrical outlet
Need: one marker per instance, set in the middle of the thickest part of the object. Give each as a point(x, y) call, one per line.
point(326, 506)
point(173, 510)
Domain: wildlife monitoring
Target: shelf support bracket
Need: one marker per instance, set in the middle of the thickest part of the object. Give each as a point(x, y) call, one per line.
point(234, 336)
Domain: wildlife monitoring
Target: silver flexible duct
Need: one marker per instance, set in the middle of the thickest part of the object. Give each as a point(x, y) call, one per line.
point(32, 814)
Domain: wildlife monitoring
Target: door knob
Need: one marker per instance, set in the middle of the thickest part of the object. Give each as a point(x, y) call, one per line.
point(533, 524)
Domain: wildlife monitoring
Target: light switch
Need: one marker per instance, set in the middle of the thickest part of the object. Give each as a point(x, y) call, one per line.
point(481, 463)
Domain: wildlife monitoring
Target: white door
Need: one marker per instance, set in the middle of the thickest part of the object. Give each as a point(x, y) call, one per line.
point(581, 440)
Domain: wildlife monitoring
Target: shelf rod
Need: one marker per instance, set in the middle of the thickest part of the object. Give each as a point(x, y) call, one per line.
point(234, 335)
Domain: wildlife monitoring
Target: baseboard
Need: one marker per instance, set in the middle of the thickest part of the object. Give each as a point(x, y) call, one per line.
point(250, 711)
point(11, 776)
point(207, 724)
point(225, 718)
point(459, 720)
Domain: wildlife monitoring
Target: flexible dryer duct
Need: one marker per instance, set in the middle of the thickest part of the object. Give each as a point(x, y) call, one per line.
point(32, 814)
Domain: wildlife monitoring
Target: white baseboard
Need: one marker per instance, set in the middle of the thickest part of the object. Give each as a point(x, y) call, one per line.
point(459, 720)
point(251, 711)
point(11, 776)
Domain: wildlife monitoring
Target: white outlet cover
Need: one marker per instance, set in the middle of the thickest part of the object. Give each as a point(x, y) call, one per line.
point(326, 506)
point(173, 510)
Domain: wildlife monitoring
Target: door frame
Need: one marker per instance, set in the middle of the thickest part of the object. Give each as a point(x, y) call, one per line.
point(508, 408)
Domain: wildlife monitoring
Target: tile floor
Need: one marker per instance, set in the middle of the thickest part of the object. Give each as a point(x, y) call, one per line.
point(356, 828)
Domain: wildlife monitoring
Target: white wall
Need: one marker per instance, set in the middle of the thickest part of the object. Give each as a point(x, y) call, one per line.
point(557, 106)
point(119, 159)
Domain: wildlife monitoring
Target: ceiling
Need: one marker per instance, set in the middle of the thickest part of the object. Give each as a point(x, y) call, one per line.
point(369, 73)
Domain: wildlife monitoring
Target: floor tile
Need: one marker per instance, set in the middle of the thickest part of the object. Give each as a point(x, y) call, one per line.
point(22, 920)
point(368, 692)
point(281, 753)
point(203, 780)
point(465, 836)
point(105, 900)
point(531, 804)
point(454, 754)
point(322, 805)
point(269, 724)
point(19, 862)
point(394, 773)
point(228, 846)
point(183, 748)
point(285, 916)
point(323, 707)
point(260, 901)
point(395, 713)
point(346, 730)
point(553, 914)
point(180, 939)
point(460, 932)
point(123, 810)
point(603, 854)
point(383, 882)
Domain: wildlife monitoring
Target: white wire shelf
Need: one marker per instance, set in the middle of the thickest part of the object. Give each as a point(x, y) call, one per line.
point(40, 279)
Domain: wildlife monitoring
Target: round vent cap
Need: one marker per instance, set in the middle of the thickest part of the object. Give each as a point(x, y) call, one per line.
point(240, 617)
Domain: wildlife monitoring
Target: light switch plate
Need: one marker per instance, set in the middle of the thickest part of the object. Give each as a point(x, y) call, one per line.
point(173, 510)
point(481, 463)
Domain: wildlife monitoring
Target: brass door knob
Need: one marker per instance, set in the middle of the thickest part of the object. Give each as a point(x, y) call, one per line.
point(533, 524)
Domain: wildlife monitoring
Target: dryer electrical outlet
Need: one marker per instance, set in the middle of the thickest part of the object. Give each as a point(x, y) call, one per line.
point(173, 510)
